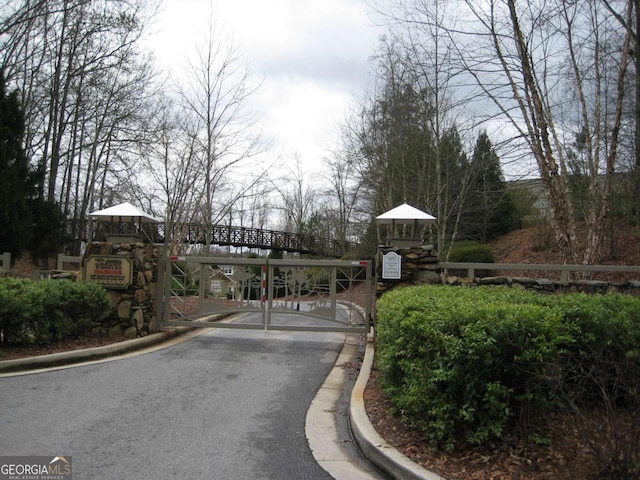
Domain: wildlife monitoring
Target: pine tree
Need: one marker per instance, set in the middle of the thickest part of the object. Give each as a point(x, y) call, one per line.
point(17, 183)
point(489, 210)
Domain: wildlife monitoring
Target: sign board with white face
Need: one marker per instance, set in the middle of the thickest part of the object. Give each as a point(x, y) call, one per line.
point(110, 271)
point(391, 266)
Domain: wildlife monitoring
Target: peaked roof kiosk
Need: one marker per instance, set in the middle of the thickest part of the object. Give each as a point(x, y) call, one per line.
point(124, 214)
point(403, 223)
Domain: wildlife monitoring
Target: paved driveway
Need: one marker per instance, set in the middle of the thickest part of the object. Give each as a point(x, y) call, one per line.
point(229, 404)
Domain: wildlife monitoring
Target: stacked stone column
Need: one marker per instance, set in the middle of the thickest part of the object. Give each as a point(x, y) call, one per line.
point(419, 266)
point(135, 307)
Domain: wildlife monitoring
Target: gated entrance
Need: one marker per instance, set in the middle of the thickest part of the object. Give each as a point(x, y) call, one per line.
point(307, 295)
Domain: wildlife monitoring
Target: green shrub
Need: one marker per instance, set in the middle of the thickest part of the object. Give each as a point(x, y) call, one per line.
point(49, 310)
point(467, 365)
point(469, 251)
point(14, 309)
point(601, 364)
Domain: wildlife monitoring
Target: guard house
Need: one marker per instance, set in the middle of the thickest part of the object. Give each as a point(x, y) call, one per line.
point(124, 223)
point(404, 260)
point(405, 225)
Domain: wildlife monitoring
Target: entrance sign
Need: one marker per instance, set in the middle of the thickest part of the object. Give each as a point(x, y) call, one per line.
point(391, 266)
point(110, 271)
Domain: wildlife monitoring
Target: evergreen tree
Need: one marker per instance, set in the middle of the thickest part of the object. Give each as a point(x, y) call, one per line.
point(405, 145)
point(47, 237)
point(489, 210)
point(17, 182)
point(27, 222)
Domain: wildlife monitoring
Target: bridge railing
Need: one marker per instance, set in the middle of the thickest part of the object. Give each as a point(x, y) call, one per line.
point(197, 233)
point(266, 239)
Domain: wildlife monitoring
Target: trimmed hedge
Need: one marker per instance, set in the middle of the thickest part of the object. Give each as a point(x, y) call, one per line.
point(468, 365)
point(49, 310)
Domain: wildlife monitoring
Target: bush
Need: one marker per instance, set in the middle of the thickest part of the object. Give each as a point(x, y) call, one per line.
point(469, 365)
point(468, 251)
point(601, 364)
point(14, 309)
point(49, 310)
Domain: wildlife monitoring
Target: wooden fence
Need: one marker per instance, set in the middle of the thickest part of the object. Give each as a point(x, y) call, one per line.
point(5, 267)
point(62, 259)
point(469, 268)
point(565, 270)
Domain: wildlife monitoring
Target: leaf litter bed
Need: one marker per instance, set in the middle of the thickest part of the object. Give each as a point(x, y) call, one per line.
point(580, 447)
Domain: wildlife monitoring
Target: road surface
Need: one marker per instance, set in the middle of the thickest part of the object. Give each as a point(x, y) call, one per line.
point(229, 404)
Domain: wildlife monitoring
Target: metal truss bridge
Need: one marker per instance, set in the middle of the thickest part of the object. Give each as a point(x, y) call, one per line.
point(222, 235)
point(265, 239)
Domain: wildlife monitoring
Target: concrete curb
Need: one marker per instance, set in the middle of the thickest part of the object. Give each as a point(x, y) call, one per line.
point(89, 354)
point(331, 451)
point(373, 446)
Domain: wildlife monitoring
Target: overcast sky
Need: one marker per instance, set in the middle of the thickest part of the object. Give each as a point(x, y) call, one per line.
point(310, 55)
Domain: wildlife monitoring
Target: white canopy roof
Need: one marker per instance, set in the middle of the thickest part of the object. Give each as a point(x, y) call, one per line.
point(125, 212)
point(405, 214)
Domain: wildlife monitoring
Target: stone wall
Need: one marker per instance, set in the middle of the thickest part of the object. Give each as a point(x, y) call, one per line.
point(551, 286)
point(134, 308)
point(420, 265)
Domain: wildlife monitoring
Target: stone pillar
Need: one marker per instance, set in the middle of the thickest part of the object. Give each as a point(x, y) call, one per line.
point(134, 307)
point(419, 265)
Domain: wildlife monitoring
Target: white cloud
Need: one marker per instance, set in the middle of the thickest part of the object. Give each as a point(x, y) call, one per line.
point(310, 55)
point(303, 117)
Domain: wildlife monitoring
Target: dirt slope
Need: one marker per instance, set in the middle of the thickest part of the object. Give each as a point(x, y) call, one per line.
point(537, 245)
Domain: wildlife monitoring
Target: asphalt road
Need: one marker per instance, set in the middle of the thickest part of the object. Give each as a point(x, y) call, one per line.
point(229, 404)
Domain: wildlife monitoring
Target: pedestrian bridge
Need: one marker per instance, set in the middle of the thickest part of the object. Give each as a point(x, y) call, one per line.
point(126, 219)
point(224, 235)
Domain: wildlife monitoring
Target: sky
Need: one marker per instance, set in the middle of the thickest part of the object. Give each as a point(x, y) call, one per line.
point(310, 56)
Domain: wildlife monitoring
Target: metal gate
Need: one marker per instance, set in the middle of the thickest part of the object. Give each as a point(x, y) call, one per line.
point(267, 294)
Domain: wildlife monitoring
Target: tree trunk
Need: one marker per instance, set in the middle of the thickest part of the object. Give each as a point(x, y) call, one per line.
point(554, 178)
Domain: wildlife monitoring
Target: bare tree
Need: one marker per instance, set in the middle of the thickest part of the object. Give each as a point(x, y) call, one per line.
point(404, 142)
point(343, 201)
point(550, 70)
point(176, 181)
point(215, 96)
point(430, 61)
point(84, 88)
point(254, 207)
point(171, 185)
point(298, 199)
point(631, 24)
point(554, 56)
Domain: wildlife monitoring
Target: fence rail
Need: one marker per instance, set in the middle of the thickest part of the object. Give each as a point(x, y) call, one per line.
point(470, 267)
point(62, 259)
point(564, 270)
point(5, 268)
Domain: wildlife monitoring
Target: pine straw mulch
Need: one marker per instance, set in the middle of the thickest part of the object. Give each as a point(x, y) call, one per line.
point(581, 448)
